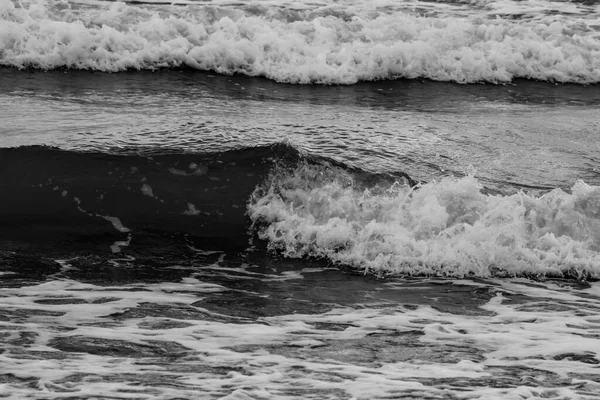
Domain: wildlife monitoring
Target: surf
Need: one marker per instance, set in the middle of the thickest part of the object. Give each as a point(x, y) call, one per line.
point(300, 206)
point(325, 45)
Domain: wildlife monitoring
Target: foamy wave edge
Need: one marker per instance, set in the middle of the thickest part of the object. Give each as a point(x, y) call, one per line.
point(329, 49)
point(448, 228)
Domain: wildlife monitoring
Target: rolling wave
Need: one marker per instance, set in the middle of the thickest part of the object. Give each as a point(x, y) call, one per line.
point(448, 228)
point(298, 205)
point(298, 46)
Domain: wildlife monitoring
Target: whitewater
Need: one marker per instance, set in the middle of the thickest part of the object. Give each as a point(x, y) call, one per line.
point(340, 43)
point(299, 199)
point(447, 228)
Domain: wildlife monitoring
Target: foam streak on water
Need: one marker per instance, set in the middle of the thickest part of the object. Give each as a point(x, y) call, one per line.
point(331, 45)
point(428, 339)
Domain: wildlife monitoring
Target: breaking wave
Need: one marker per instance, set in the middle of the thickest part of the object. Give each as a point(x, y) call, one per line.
point(332, 46)
point(448, 228)
point(297, 204)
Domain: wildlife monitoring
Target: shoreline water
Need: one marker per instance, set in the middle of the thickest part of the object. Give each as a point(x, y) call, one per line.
point(219, 326)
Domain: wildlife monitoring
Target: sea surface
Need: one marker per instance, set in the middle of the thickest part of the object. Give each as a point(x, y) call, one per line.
point(300, 199)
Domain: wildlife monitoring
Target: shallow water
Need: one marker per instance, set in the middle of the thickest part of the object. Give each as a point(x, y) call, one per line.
point(223, 326)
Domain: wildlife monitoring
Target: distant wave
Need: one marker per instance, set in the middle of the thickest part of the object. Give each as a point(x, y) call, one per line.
point(297, 46)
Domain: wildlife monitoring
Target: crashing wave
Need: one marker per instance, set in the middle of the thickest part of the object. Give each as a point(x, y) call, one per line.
point(445, 228)
point(297, 46)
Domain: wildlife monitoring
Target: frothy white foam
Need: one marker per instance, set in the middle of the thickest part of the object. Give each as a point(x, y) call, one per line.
point(331, 47)
point(447, 228)
point(531, 342)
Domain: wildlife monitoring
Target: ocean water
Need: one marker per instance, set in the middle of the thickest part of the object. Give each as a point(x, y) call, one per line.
point(300, 199)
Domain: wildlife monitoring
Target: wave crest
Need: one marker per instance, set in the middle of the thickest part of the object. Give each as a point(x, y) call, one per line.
point(445, 228)
point(297, 47)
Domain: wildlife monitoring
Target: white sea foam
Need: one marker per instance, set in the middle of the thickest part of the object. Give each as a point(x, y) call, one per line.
point(331, 46)
point(447, 228)
point(516, 350)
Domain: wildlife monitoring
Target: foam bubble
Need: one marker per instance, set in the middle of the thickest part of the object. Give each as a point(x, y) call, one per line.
point(147, 190)
point(116, 223)
point(116, 246)
point(191, 210)
point(446, 228)
point(331, 47)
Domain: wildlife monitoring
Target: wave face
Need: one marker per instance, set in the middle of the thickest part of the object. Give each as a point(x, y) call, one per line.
point(448, 228)
point(123, 201)
point(327, 44)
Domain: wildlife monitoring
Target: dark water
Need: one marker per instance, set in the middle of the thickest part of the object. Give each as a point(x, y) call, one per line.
point(529, 134)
